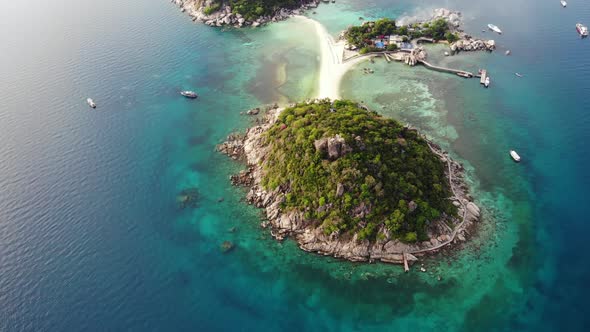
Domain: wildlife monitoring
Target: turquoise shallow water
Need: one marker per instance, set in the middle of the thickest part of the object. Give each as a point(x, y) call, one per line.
point(90, 234)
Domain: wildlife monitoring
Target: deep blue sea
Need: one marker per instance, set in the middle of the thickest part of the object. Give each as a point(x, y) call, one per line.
point(91, 234)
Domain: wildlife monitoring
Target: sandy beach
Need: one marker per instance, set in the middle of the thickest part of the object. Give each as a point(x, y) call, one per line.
point(332, 68)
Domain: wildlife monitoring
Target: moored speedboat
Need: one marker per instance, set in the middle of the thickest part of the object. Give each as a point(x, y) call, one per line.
point(514, 155)
point(487, 82)
point(91, 103)
point(189, 94)
point(582, 29)
point(563, 3)
point(494, 28)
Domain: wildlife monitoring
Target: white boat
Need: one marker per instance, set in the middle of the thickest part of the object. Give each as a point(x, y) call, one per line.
point(563, 3)
point(514, 155)
point(582, 29)
point(494, 28)
point(189, 94)
point(518, 74)
point(487, 82)
point(91, 102)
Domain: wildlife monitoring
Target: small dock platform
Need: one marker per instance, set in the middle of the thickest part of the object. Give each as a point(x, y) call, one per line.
point(483, 76)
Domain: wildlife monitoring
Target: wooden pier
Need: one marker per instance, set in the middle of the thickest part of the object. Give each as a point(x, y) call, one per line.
point(401, 55)
point(483, 76)
point(459, 72)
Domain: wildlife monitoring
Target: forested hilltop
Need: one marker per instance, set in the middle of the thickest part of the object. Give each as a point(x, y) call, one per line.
point(240, 13)
point(253, 9)
point(348, 182)
point(352, 171)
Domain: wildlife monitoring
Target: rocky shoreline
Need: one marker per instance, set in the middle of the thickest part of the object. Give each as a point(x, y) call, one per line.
point(250, 148)
point(464, 42)
point(225, 17)
point(467, 43)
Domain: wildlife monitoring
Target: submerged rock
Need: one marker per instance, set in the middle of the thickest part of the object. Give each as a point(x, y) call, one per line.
point(227, 246)
point(188, 198)
point(253, 111)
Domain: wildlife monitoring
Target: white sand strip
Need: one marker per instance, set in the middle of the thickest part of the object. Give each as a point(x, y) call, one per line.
point(331, 67)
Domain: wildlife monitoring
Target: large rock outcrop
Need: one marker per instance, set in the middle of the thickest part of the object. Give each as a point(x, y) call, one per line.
point(332, 147)
point(453, 17)
point(469, 44)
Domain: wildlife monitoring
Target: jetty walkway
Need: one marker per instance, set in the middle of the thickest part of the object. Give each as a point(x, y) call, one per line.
point(446, 70)
point(395, 56)
point(422, 39)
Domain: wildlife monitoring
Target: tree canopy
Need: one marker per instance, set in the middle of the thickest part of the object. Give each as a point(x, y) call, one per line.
point(385, 178)
point(253, 9)
point(361, 36)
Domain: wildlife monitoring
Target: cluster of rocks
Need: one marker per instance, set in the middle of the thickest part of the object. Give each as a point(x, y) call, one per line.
point(227, 246)
point(416, 55)
point(253, 111)
point(232, 147)
point(225, 17)
point(468, 44)
point(453, 17)
point(188, 198)
point(465, 42)
point(257, 110)
point(332, 147)
point(253, 148)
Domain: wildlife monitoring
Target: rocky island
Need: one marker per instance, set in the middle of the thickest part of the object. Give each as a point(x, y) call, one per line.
point(241, 13)
point(387, 35)
point(346, 182)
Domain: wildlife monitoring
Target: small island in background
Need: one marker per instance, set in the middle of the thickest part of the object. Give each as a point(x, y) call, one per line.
point(347, 182)
point(401, 41)
point(242, 13)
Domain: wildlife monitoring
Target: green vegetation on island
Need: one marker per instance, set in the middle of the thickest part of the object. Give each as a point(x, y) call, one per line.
point(253, 9)
point(352, 171)
point(385, 31)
